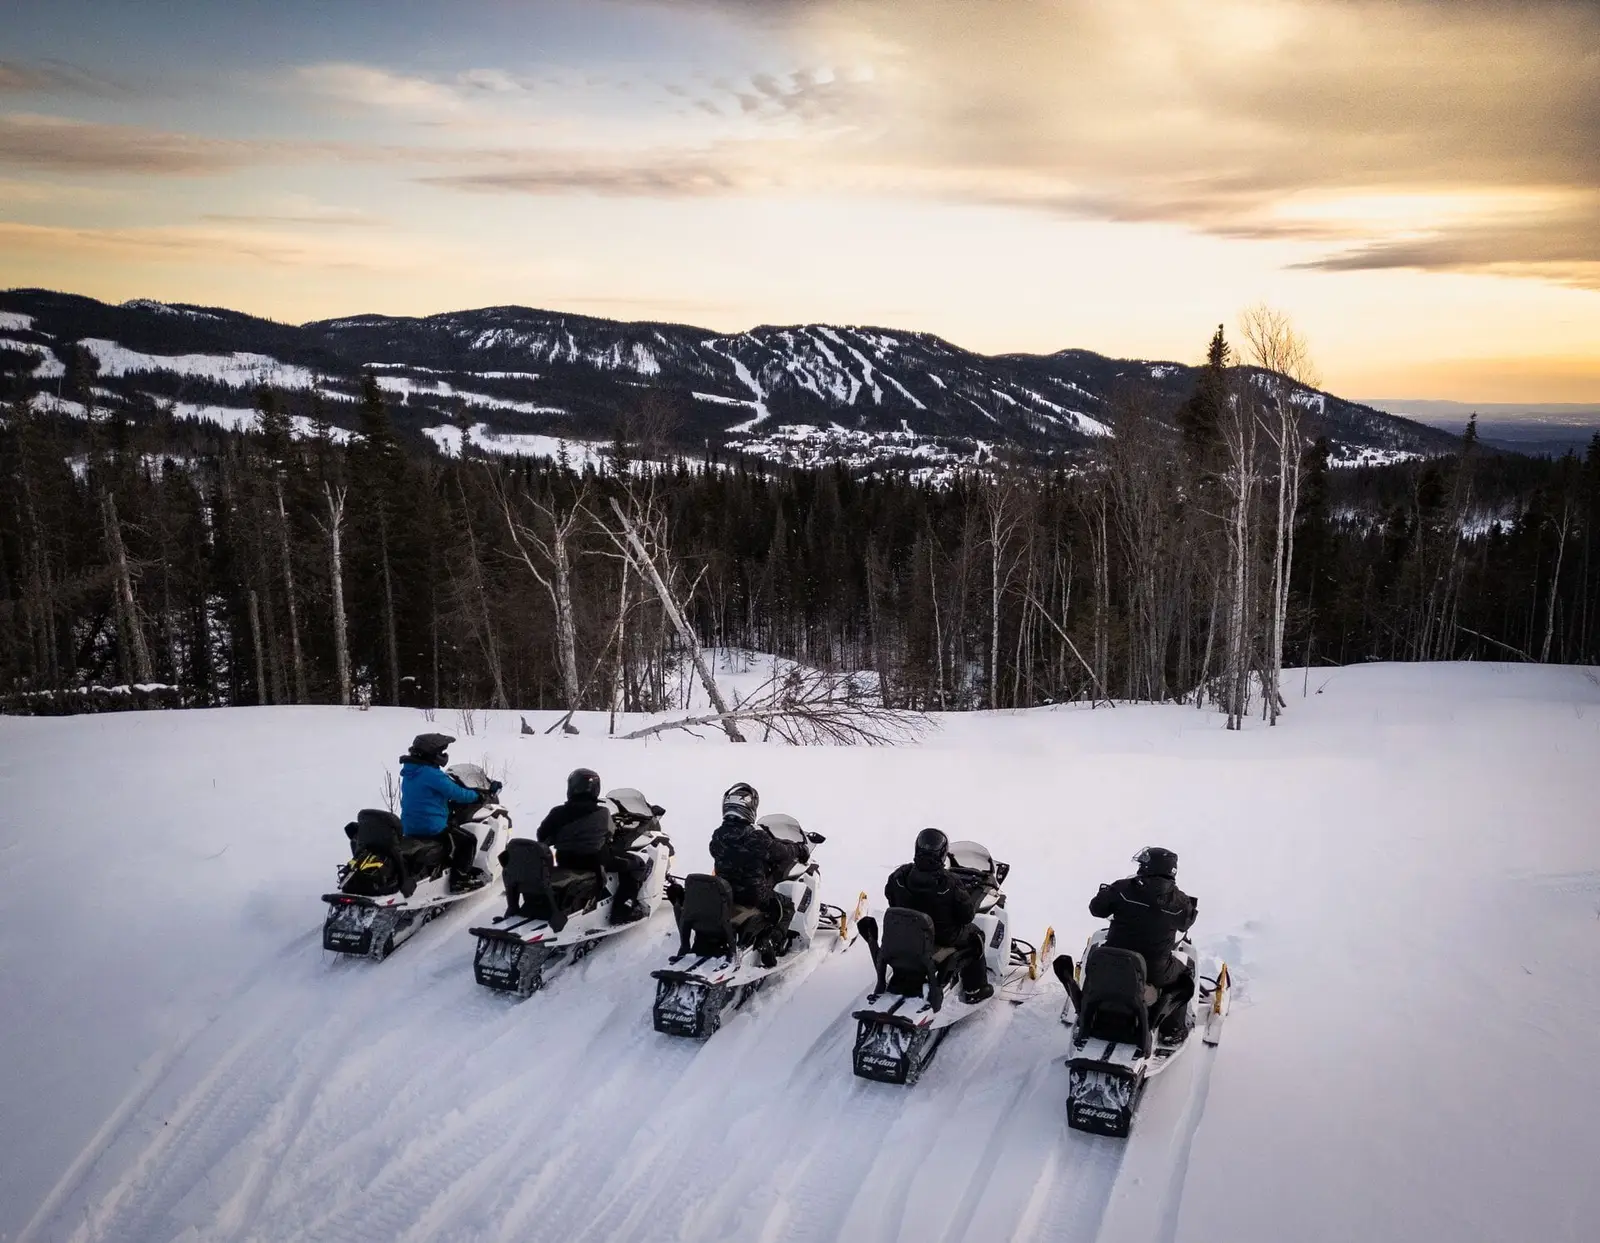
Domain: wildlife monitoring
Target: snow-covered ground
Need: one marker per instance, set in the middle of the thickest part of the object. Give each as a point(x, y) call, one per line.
point(236, 369)
point(1404, 876)
point(577, 453)
point(405, 386)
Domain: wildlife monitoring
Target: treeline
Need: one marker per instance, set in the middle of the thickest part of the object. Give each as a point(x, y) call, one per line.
point(1200, 550)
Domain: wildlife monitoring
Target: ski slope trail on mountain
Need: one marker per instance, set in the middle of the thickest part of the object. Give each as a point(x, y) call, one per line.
point(1404, 878)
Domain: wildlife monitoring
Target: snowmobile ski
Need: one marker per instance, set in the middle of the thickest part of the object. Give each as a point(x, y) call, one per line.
point(555, 917)
point(916, 998)
point(718, 966)
point(393, 885)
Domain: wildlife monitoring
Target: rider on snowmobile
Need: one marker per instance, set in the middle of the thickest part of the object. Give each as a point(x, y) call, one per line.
point(926, 884)
point(1148, 913)
point(581, 834)
point(752, 861)
point(426, 793)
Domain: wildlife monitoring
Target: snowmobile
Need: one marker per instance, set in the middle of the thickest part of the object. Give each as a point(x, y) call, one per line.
point(718, 966)
point(916, 999)
point(1122, 1029)
point(554, 915)
point(394, 884)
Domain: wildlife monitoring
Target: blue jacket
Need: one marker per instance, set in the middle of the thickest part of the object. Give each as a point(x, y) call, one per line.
point(426, 793)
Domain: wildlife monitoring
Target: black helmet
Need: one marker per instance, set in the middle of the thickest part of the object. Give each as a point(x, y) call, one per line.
point(741, 800)
point(430, 748)
point(583, 785)
point(1157, 861)
point(931, 851)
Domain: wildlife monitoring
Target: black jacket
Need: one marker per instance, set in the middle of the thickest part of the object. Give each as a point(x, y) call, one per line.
point(750, 859)
point(1147, 914)
point(579, 832)
point(938, 895)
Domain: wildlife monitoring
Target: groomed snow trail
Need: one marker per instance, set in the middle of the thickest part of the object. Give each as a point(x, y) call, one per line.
point(184, 1063)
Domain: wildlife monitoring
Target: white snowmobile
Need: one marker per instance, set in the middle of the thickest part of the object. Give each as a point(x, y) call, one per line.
point(916, 999)
point(718, 966)
point(393, 884)
point(1123, 1029)
point(555, 915)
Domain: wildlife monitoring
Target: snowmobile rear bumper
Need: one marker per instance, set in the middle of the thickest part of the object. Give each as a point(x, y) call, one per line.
point(1101, 1099)
point(687, 1006)
point(359, 926)
point(892, 1049)
point(508, 965)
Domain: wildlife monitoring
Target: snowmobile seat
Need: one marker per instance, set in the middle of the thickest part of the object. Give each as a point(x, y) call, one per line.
point(538, 889)
point(909, 960)
point(708, 921)
point(1116, 999)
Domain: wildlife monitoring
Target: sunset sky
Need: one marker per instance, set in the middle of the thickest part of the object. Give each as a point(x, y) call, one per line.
point(1416, 182)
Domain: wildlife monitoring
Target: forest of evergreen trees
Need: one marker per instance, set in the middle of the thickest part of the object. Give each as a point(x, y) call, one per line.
point(213, 568)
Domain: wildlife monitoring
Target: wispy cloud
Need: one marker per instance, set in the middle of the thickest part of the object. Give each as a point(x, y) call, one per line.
point(373, 88)
point(57, 144)
point(212, 244)
point(54, 77)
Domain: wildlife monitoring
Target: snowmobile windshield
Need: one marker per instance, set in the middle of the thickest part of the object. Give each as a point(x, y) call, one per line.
point(971, 855)
point(469, 775)
point(630, 802)
point(784, 828)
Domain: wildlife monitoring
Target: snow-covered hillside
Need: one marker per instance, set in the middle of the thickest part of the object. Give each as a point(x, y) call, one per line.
point(1404, 876)
point(814, 393)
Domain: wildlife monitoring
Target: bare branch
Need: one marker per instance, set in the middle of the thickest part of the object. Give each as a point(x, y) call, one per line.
point(810, 708)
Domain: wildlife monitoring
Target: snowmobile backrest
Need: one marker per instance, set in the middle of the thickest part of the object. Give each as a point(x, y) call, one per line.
point(377, 830)
point(1114, 1003)
point(908, 949)
point(530, 877)
point(707, 909)
point(379, 833)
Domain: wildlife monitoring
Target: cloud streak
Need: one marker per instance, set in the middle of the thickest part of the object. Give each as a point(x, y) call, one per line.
point(54, 77)
point(60, 145)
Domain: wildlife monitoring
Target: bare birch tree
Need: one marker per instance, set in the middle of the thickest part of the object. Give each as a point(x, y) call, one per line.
point(334, 530)
point(1281, 354)
point(137, 661)
point(551, 547)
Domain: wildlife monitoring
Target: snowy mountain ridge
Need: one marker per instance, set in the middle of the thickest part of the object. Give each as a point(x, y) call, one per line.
point(809, 393)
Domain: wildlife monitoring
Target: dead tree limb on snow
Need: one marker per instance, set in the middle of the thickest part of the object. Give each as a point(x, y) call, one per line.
point(808, 708)
point(632, 543)
point(1066, 638)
